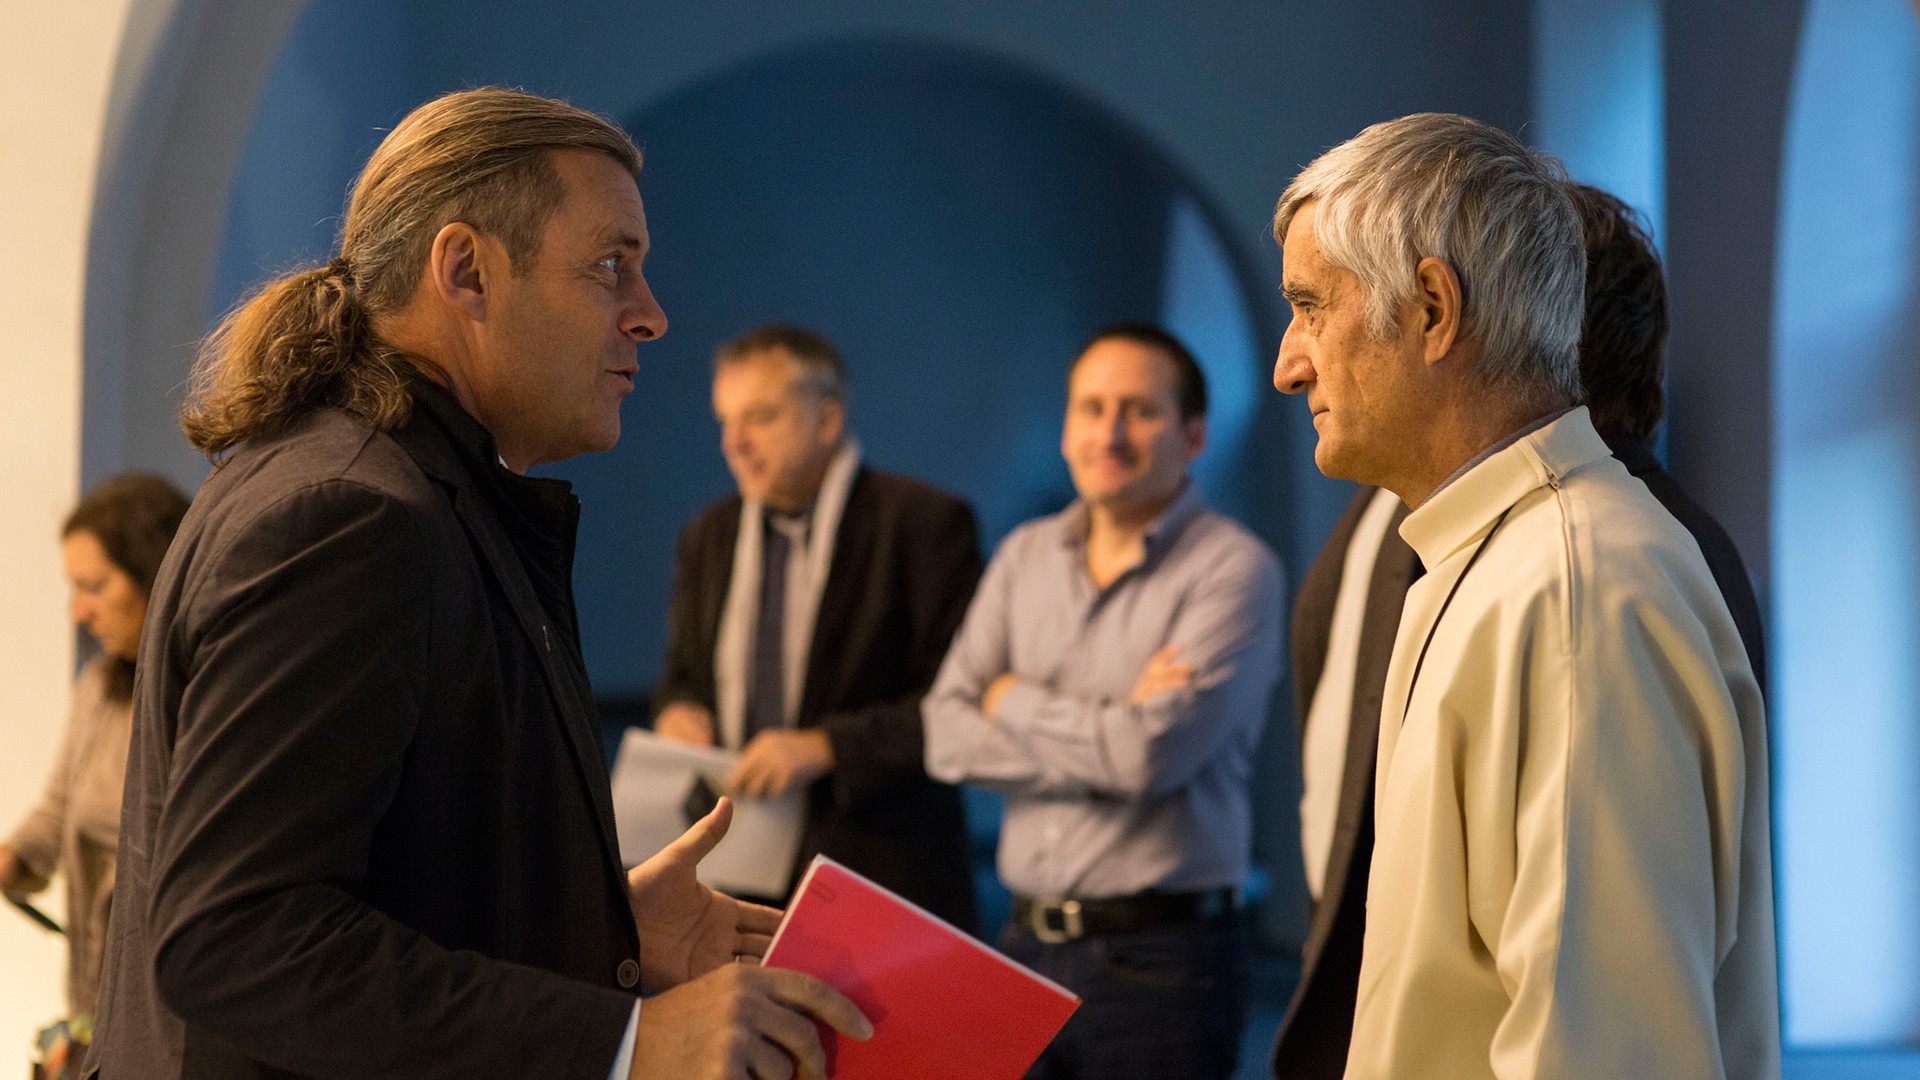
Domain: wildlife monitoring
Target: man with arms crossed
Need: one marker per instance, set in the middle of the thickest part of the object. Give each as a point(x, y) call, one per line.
point(1112, 679)
point(367, 827)
point(1571, 872)
point(1349, 607)
point(810, 612)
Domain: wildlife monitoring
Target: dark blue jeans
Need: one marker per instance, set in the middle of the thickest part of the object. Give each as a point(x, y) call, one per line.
point(1163, 1004)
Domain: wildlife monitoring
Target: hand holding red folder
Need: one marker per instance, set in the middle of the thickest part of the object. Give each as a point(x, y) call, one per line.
point(942, 1004)
point(721, 1018)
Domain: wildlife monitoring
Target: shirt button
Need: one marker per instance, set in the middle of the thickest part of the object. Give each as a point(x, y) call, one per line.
point(628, 974)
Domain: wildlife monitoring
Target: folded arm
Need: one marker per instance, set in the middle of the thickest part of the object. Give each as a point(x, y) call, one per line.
point(1044, 741)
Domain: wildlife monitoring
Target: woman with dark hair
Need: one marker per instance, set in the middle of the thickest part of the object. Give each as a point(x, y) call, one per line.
point(112, 545)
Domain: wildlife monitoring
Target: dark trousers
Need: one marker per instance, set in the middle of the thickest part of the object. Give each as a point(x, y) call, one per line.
point(1161, 1004)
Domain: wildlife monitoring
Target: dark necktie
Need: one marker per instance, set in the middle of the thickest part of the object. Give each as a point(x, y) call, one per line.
point(767, 700)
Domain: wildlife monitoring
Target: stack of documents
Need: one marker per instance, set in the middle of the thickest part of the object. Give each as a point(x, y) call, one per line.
point(661, 787)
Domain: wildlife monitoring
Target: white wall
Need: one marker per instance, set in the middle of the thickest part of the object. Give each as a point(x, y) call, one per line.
point(57, 61)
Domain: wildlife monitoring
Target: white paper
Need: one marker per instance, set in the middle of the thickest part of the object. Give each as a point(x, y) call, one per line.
point(652, 778)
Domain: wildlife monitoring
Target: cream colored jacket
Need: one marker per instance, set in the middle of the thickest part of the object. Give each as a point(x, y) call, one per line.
point(1572, 875)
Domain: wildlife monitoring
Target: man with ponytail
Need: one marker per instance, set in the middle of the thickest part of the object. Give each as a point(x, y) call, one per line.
point(367, 829)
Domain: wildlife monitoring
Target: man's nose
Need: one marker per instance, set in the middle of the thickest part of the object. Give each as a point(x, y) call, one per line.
point(644, 319)
point(1292, 370)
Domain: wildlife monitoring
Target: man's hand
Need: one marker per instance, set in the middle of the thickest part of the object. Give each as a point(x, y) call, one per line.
point(997, 689)
point(11, 867)
point(1163, 674)
point(742, 1022)
point(687, 929)
point(777, 760)
point(683, 721)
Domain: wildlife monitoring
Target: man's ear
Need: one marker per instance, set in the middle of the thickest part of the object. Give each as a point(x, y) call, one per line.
point(833, 420)
point(1437, 302)
point(460, 269)
point(1193, 432)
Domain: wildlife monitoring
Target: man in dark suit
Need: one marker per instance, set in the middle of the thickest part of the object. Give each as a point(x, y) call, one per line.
point(1348, 610)
point(810, 613)
point(367, 831)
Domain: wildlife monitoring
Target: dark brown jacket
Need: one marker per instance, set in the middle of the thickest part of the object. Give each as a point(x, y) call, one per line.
point(367, 831)
point(905, 563)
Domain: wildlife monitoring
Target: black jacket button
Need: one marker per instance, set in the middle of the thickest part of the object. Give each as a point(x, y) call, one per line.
point(628, 974)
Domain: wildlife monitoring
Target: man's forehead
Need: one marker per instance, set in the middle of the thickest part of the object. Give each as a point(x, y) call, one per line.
point(621, 234)
point(768, 372)
point(1304, 270)
point(618, 218)
point(1112, 367)
point(602, 196)
point(1300, 251)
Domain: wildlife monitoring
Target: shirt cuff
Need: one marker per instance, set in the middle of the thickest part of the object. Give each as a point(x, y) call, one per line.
point(1024, 707)
point(623, 1061)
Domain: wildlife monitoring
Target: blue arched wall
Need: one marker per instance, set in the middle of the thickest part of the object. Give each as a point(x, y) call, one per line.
point(956, 224)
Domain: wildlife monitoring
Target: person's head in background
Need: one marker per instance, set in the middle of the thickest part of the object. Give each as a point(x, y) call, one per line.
point(112, 544)
point(1136, 419)
point(1623, 338)
point(780, 395)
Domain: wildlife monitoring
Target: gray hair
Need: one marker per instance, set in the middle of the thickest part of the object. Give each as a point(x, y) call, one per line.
point(1490, 207)
point(822, 373)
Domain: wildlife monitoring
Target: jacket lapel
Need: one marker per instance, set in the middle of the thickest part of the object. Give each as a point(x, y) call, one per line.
point(1313, 607)
point(430, 439)
point(576, 714)
point(1394, 570)
point(845, 591)
point(1313, 1034)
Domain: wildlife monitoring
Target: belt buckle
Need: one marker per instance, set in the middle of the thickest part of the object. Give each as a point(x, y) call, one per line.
point(1071, 926)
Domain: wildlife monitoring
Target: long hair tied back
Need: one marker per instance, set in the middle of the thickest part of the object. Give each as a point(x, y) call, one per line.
point(306, 340)
point(301, 341)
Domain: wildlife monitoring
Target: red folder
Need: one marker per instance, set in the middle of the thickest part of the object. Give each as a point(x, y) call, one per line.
point(942, 1004)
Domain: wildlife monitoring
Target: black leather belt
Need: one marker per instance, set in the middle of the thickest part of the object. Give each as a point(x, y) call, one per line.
point(1056, 919)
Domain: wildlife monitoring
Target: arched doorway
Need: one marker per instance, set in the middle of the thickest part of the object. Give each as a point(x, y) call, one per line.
point(957, 225)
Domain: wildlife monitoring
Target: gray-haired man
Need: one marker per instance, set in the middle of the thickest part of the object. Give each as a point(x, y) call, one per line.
point(1571, 873)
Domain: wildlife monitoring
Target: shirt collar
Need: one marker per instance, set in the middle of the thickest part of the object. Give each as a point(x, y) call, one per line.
point(794, 524)
point(1499, 446)
point(1461, 510)
point(1159, 534)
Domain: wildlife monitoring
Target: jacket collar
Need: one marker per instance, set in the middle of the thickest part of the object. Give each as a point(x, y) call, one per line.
point(1462, 511)
point(466, 448)
point(457, 450)
point(1635, 453)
